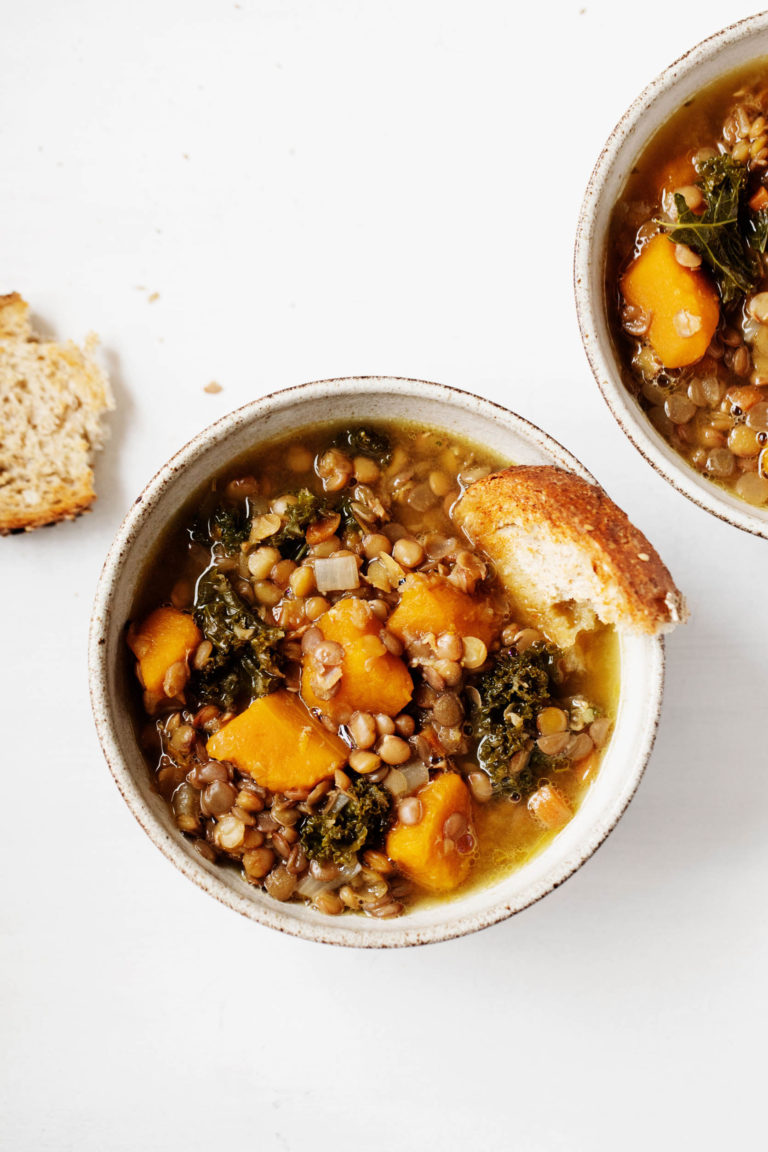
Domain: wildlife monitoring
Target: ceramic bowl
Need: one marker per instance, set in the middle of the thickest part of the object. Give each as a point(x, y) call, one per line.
point(732, 48)
point(369, 398)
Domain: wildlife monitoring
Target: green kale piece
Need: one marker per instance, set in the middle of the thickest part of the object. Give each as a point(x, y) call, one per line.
point(512, 693)
point(297, 518)
point(727, 237)
point(228, 525)
point(349, 521)
point(359, 822)
point(244, 663)
point(758, 230)
point(364, 441)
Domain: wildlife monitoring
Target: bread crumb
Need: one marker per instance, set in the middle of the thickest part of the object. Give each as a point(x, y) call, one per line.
point(643, 556)
point(152, 297)
point(213, 388)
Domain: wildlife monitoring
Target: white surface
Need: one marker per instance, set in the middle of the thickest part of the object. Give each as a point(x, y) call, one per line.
point(330, 189)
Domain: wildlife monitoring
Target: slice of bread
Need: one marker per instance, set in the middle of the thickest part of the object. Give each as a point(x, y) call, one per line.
point(567, 555)
point(52, 397)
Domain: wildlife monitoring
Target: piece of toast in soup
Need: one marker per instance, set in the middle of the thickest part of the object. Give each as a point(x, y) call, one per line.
point(567, 554)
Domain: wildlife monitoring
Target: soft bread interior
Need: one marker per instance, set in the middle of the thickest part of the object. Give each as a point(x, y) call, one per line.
point(52, 397)
point(567, 555)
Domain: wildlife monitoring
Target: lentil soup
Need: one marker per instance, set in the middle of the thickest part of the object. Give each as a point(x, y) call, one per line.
point(687, 282)
point(335, 696)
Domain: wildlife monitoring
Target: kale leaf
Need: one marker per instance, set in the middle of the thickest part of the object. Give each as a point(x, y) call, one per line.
point(364, 441)
point(726, 237)
point(297, 518)
point(244, 663)
point(360, 822)
point(758, 230)
point(349, 521)
point(512, 693)
point(228, 525)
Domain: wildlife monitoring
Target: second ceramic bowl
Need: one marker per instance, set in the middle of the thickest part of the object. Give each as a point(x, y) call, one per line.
point(732, 48)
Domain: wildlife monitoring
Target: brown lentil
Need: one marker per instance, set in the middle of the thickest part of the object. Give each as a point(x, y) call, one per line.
point(385, 725)
point(393, 750)
point(329, 903)
point(315, 606)
point(280, 884)
point(409, 810)
point(480, 786)
point(407, 552)
point(405, 725)
point(554, 744)
point(376, 543)
point(364, 762)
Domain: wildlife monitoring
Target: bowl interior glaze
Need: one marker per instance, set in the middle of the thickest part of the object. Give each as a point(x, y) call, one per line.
point(358, 399)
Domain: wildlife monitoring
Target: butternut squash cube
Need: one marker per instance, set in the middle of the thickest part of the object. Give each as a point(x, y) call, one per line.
point(430, 603)
point(372, 678)
point(683, 305)
point(279, 743)
point(166, 637)
point(423, 851)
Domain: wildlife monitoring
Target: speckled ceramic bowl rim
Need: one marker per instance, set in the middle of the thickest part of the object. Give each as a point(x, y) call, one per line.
point(589, 236)
point(275, 915)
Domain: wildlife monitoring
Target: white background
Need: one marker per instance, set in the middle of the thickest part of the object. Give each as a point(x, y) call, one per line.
point(314, 190)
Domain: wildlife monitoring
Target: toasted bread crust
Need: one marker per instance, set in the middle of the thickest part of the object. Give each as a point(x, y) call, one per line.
point(51, 398)
point(575, 523)
point(14, 317)
point(65, 504)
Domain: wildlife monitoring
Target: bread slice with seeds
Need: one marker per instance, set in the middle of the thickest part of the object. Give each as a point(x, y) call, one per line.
point(568, 555)
point(52, 397)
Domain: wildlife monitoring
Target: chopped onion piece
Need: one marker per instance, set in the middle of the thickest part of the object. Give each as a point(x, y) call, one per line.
point(336, 574)
point(309, 887)
point(406, 779)
point(396, 783)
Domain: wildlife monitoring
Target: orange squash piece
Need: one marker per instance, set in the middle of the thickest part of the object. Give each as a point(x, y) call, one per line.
point(759, 200)
point(279, 743)
point(430, 603)
point(682, 303)
point(372, 678)
point(164, 638)
point(349, 619)
point(422, 851)
point(679, 173)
